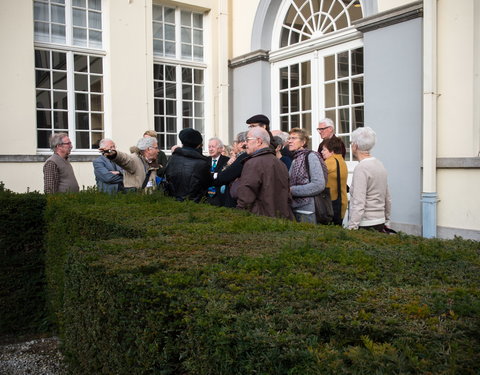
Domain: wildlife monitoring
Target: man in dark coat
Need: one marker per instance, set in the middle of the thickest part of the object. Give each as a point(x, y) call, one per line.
point(217, 163)
point(188, 171)
point(264, 184)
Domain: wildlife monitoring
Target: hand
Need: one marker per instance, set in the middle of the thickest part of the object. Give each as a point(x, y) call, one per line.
point(109, 153)
point(115, 172)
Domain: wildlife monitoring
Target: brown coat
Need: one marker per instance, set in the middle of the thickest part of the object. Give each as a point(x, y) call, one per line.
point(264, 186)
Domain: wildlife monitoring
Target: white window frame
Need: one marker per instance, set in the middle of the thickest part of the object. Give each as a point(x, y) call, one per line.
point(180, 63)
point(70, 49)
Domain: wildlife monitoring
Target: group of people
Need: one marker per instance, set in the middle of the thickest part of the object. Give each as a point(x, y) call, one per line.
point(269, 173)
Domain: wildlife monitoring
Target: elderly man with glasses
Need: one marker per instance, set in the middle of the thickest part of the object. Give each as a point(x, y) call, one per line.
point(140, 171)
point(326, 129)
point(58, 175)
point(263, 187)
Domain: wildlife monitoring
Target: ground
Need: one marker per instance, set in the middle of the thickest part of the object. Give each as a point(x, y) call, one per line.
point(36, 355)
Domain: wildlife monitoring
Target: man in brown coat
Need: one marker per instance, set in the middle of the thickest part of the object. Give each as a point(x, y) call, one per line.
point(264, 187)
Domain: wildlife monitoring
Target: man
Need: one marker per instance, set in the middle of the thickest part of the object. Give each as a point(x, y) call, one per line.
point(326, 128)
point(188, 171)
point(264, 186)
point(138, 172)
point(161, 158)
point(263, 122)
point(228, 178)
point(217, 163)
point(58, 175)
point(108, 174)
point(287, 155)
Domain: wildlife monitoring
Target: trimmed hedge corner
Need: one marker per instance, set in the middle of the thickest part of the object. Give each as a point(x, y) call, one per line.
point(146, 285)
point(22, 276)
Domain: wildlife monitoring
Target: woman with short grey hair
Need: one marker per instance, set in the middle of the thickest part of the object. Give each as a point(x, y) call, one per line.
point(370, 201)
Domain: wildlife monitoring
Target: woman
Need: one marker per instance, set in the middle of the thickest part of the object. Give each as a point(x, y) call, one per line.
point(369, 196)
point(305, 184)
point(337, 177)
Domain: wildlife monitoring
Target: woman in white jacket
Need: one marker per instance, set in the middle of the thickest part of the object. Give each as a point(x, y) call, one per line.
point(370, 201)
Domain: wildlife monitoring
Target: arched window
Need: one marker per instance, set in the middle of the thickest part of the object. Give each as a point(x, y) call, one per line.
point(317, 67)
point(307, 19)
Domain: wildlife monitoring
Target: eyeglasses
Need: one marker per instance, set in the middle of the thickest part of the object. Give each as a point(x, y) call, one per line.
point(292, 138)
point(156, 147)
point(250, 138)
point(66, 143)
point(321, 129)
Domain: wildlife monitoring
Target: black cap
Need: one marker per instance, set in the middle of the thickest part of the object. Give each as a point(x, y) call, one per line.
point(190, 137)
point(258, 119)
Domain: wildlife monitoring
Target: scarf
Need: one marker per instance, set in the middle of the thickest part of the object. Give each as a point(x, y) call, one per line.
point(298, 174)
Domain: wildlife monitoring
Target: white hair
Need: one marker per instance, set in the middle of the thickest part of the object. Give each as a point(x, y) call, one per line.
point(144, 143)
point(219, 141)
point(103, 141)
point(364, 138)
point(328, 122)
point(259, 132)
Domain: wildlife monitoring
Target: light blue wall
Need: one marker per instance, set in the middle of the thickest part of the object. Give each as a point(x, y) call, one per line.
point(393, 108)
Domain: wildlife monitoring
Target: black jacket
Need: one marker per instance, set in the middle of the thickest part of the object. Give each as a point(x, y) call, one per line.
point(188, 174)
point(228, 176)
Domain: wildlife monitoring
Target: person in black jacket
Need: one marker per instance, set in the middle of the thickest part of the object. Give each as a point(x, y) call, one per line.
point(188, 171)
point(226, 178)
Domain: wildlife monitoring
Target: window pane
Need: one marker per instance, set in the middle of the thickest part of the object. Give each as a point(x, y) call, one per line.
point(81, 121)
point(81, 63)
point(329, 68)
point(198, 75)
point(42, 32)
point(60, 120)
point(186, 18)
point(95, 4)
point(157, 30)
point(186, 51)
point(158, 107)
point(96, 83)
point(59, 61)
point(171, 90)
point(186, 35)
point(80, 3)
point(306, 99)
point(59, 81)
point(187, 92)
point(170, 15)
point(60, 100)
point(188, 109)
point(294, 101)
point(96, 138)
point(83, 140)
point(284, 78)
point(58, 14)
point(79, 17)
point(198, 90)
point(81, 82)
point(43, 137)
point(343, 93)
point(342, 64)
point(95, 39)
point(42, 79)
point(157, 13)
point(79, 37)
point(306, 79)
point(200, 125)
point(171, 108)
point(171, 140)
point(96, 65)
point(198, 109)
point(357, 84)
point(169, 49)
point(81, 102)
point(159, 124)
point(97, 121)
point(330, 95)
point(44, 119)
point(187, 76)
point(284, 103)
point(198, 37)
point(95, 20)
point(43, 99)
point(40, 12)
point(198, 20)
point(294, 72)
point(58, 34)
point(170, 73)
point(96, 102)
point(357, 61)
point(344, 125)
point(170, 32)
point(171, 125)
point(198, 53)
point(42, 59)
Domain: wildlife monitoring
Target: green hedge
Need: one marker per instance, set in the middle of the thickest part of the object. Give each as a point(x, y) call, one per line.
point(22, 276)
point(153, 286)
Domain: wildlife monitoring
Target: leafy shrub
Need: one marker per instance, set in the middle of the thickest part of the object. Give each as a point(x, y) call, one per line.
point(22, 277)
point(149, 285)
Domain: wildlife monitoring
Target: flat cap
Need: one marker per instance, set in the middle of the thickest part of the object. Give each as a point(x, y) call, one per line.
point(258, 119)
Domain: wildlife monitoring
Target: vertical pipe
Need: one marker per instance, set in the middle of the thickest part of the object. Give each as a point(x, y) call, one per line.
point(222, 130)
point(429, 193)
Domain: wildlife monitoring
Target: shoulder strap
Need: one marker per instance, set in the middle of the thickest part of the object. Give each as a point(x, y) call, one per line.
point(307, 164)
point(147, 176)
point(338, 182)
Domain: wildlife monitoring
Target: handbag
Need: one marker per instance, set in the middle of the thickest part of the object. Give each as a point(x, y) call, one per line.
point(322, 201)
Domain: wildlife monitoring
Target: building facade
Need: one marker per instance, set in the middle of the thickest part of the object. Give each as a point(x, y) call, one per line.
point(115, 68)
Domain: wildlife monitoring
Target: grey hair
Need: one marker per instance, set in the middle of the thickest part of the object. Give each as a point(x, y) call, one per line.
point(57, 139)
point(219, 141)
point(103, 141)
point(144, 143)
point(328, 122)
point(241, 137)
point(364, 138)
point(283, 136)
point(259, 132)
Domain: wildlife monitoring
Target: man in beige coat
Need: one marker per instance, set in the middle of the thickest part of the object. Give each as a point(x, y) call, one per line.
point(139, 173)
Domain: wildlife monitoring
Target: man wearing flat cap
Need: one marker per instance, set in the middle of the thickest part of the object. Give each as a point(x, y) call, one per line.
point(188, 171)
point(263, 122)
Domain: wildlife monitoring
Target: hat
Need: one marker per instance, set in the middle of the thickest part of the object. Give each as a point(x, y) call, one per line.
point(258, 118)
point(190, 137)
